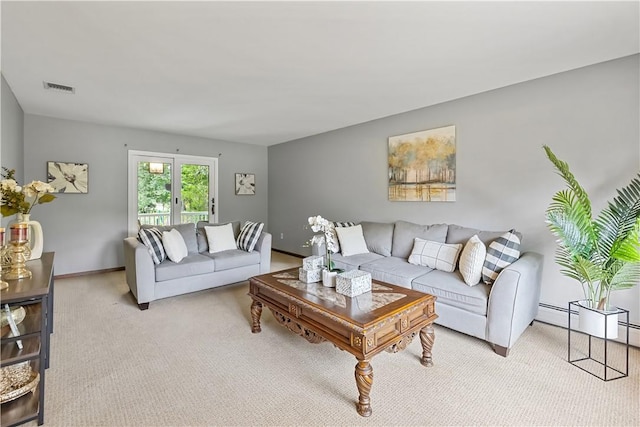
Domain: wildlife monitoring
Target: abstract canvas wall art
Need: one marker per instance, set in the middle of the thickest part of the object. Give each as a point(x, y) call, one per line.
point(422, 166)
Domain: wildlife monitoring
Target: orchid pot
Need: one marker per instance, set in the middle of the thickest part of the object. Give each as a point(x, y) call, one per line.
point(329, 277)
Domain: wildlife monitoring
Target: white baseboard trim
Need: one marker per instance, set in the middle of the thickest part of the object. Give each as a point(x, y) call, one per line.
point(558, 316)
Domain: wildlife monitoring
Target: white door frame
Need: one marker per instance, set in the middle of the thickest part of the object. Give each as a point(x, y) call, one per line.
point(132, 182)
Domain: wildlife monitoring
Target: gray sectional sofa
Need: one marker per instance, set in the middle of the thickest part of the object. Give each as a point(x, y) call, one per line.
point(197, 271)
point(498, 313)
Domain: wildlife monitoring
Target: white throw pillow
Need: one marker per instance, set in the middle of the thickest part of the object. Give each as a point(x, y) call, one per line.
point(174, 245)
point(441, 256)
point(333, 236)
point(220, 238)
point(472, 260)
point(352, 240)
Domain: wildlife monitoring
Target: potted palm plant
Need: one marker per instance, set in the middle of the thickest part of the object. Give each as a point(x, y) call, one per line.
point(602, 253)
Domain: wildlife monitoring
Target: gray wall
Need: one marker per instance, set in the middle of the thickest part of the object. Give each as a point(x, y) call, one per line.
point(11, 147)
point(86, 230)
point(589, 117)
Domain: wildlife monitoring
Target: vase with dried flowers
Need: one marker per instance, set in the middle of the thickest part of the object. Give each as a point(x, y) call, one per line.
point(20, 200)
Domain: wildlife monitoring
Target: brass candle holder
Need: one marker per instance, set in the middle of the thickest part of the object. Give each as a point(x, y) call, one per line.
point(3, 284)
point(20, 252)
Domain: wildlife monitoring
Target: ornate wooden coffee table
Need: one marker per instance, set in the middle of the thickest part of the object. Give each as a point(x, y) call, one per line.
point(387, 318)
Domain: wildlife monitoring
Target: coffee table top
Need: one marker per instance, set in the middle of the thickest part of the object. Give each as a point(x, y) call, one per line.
point(384, 300)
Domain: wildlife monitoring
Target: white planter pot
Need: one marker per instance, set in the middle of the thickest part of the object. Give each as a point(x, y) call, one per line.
point(329, 278)
point(592, 321)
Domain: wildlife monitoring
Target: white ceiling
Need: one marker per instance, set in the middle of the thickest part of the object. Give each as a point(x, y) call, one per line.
point(269, 72)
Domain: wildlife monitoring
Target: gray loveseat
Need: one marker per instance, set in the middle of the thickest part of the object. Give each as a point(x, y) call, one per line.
point(197, 271)
point(498, 313)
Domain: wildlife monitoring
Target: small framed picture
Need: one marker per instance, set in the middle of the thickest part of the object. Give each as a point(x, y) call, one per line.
point(68, 177)
point(245, 184)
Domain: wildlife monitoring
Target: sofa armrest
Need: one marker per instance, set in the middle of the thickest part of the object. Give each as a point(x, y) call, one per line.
point(514, 299)
point(139, 270)
point(264, 247)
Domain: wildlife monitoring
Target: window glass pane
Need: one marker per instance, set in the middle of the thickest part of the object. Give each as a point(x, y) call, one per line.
point(154, 193)
point(194, 193)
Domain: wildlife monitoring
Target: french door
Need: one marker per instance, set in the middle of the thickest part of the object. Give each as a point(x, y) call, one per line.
point(166, 189)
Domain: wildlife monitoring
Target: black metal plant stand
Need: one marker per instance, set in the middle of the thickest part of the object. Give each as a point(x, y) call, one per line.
point(605, 362)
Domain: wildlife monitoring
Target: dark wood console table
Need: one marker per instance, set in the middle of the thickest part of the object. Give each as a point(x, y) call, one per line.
point(36, 296)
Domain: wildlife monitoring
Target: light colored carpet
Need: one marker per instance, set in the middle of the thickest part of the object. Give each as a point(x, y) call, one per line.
point(192, 360)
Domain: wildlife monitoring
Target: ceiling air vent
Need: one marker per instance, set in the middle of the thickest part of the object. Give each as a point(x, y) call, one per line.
point(59, 88)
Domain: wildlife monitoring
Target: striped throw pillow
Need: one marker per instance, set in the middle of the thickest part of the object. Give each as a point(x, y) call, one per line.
point(249, 235)
point(152, 239)
point(500, 253)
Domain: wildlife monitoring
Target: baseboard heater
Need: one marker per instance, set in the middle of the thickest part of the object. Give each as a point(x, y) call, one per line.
point(566, 311)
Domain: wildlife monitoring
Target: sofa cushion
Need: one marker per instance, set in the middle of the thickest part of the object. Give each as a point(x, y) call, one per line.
point(191, 265)
point(394, 270)
point(500, 253)
point(174, 245)
point(379, 236)
point(351, 240)
point(201, 235)
point(249, 235)
point(234, 258)
point(220, 238)
point(152, 239)
point(404, 233)
point(187, 230)
point(353, 262)
point(451, 289)
point(441, 256)
point(472, 260)
point(459, 234)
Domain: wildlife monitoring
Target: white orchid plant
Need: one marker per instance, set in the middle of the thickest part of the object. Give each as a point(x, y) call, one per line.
point(319, 224)
point(21, 199)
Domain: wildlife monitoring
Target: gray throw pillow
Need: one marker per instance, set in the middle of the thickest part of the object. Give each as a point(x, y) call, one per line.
point(379, 236)
point(188, 232)
point(460, 234)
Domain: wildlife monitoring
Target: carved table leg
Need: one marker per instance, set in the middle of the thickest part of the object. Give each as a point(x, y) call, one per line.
point(256, 312)
point(364, 380)
point(427, 337)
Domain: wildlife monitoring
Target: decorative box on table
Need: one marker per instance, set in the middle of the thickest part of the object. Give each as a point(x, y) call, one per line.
point(312, 262)
point(353, 282)
point(310, 276)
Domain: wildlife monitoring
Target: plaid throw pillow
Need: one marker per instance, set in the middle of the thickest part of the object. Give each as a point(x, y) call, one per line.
point(500, 253)
point(441, 256)
point(152, 239)
point(249, 235)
